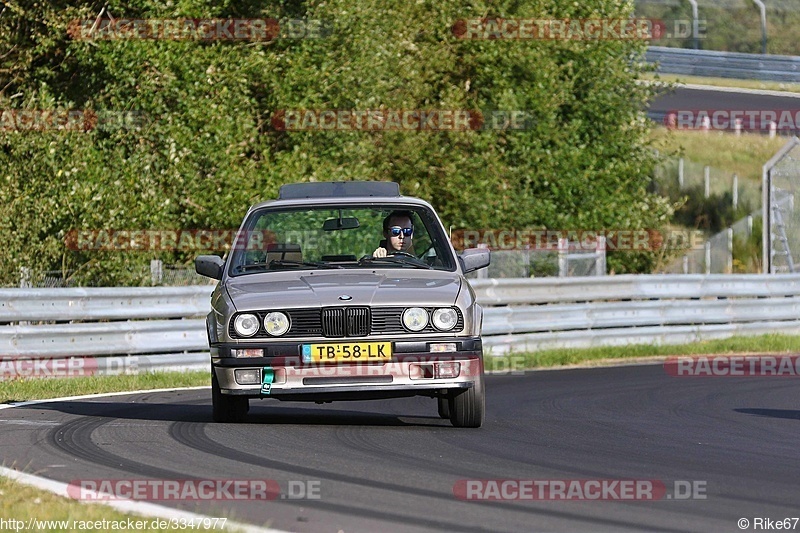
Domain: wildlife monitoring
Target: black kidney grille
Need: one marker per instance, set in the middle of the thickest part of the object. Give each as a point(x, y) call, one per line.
point(333, 322)
point(345, 321)
point(358, 321)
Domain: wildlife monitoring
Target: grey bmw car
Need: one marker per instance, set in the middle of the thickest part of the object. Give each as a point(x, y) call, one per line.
point(345, 291)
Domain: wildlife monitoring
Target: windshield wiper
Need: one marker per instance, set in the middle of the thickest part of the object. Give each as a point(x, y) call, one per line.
point(285, 263)
point(397, 259)
point(251, 266)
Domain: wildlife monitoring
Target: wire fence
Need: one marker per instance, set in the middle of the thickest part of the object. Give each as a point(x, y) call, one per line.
point(715, 197)
point(690, 176)
point(569, 260)
point(156, 275)
point(781, 174)
point(505, 264)
point(731, 251)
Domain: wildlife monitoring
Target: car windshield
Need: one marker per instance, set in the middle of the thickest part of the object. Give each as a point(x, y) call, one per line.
point(344, 237)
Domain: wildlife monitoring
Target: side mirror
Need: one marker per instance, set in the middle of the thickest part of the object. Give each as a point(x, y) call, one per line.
point(475, 258)
point(209, 266)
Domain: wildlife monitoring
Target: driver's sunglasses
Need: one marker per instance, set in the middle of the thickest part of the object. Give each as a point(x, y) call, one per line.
point(397, 230)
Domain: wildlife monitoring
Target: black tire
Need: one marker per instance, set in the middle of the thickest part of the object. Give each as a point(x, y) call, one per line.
point(444, 407)
point(468, 406)
point(225, 408)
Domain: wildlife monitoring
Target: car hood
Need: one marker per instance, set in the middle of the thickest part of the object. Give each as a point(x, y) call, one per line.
point(279, 290)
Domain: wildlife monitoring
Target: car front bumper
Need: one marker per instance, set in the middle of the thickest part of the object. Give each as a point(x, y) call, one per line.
point(413, 370)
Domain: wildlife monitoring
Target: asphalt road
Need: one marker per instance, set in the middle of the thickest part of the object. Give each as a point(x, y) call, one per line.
point(684, 99)
point(392, 465)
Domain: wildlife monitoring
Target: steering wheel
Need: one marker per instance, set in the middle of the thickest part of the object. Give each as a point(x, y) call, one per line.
point(403, 253)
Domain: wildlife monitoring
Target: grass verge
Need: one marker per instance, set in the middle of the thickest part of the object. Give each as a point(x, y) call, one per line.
point(45, 511)
point(36, 389)
point(19, 390)
point(763, 344)
point(744, 154)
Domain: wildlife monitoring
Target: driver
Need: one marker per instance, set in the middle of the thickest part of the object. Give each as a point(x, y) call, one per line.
point(398, 232)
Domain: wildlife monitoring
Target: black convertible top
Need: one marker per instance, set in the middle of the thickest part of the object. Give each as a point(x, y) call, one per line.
point(328, 189)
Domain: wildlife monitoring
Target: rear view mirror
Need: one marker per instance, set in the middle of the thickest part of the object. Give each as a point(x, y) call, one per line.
point(333, 224)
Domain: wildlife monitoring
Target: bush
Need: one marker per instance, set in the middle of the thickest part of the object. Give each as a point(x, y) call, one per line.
point(204, 148)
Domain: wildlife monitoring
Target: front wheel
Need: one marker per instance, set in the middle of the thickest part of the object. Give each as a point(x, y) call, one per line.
point(444, 407)
point(467, 407)
point(226, 408)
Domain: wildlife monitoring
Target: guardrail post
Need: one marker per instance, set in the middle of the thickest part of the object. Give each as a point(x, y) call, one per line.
point(763, 10)
point(685, 264)
point(680, 173)
point(156, 271)
point(708, 257)
point(749, 225)
point(526, 261)
point(735, 191)
point(707, 180)
point(600, 261)
point(563, 260)
point(695, 25)
point(773, 129)
point(25, 278)
point(729, 266)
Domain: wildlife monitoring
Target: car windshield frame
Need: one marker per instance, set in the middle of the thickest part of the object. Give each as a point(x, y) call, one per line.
point(425, 220)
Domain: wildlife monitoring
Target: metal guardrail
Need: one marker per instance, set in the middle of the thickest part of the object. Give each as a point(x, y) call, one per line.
point(633, 287)
point(725, 64)
point(104, 338)
point(112, 303)
point(110, 330)
point(534, 314)
point(121, 329)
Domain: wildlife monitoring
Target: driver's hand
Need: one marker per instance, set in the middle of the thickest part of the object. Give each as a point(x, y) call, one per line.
point(379, 252)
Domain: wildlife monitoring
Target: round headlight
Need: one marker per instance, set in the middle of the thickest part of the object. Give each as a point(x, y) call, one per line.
point(276, 323)
point(415, 318)
point(246, 325)
point(445, 319)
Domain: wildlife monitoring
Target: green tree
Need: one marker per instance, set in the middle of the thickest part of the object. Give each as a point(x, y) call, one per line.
point(205, 147)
